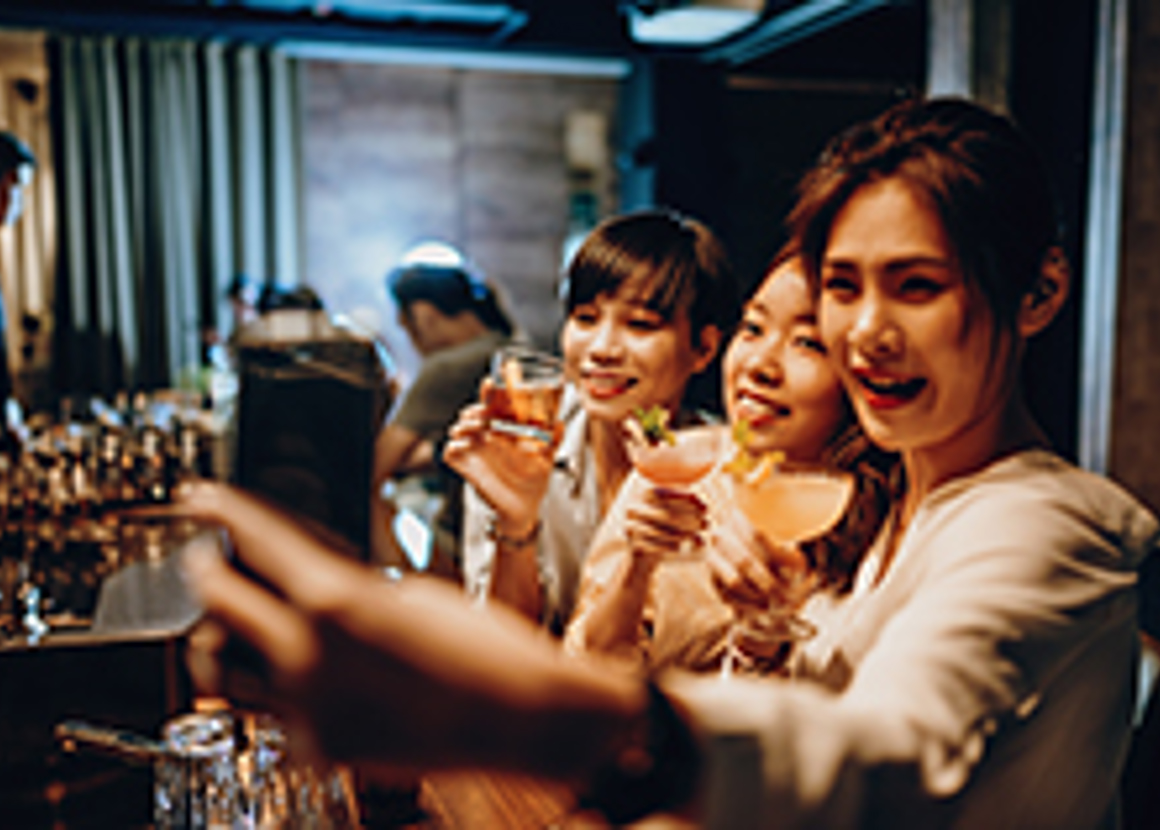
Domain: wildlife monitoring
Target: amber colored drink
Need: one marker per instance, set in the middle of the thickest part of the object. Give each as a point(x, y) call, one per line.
point(790, 507)
point(689, 458)
point(524, 394)
point(525, 411)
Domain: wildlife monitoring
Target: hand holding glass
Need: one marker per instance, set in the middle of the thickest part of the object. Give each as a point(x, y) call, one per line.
point(679, 461)
point(787, 504)
point(524, 394)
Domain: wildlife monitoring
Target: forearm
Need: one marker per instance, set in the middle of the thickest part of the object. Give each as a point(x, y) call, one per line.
point(613, 621)
point(515, 577)
point(486, 690)
point(393, 446)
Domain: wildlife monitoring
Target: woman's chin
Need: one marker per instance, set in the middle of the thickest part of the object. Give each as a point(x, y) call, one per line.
point(608, 408)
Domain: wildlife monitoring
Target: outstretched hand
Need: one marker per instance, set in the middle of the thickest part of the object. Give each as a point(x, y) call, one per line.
point(407, 673)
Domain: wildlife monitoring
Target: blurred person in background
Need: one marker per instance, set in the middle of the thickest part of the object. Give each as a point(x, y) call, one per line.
point(242, 295)
point(454, 319)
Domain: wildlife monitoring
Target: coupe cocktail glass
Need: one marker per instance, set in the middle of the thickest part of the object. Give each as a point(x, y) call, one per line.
point(786, 503)
point(679, 461)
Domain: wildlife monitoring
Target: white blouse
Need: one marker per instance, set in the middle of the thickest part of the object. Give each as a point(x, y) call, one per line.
point(985, 680)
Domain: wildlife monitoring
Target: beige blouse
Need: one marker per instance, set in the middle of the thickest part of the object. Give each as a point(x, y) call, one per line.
point(685, 620)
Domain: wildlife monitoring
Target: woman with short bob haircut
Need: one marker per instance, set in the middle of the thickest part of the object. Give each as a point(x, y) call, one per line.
point(647, 297)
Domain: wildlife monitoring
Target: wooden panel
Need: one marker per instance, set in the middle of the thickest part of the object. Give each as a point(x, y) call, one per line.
point(1136, 408)
point(393, 155)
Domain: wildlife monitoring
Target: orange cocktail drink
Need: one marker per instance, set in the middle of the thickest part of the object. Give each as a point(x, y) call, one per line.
point(788, 505)
point(682, 459)
point(524, 395)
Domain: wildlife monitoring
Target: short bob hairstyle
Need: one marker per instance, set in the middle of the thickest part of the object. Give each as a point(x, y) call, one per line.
point(976, 169)
point(671, 263)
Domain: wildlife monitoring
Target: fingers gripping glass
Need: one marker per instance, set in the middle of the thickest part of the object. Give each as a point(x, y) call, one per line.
point(786, 503)
point(523, 397)
point(676, 460)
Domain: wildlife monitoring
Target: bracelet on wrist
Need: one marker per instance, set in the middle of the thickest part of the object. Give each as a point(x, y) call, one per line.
point(527, 540)
point(655, 769)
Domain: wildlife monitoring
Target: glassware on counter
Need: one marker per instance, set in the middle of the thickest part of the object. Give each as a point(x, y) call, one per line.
point(219, 770)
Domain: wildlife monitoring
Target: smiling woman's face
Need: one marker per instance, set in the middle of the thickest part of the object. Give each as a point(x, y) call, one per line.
point(912, 339)
point(623, 355)
point(776, 374)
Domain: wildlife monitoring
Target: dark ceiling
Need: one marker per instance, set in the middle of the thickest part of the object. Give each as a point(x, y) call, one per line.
point(879, 39)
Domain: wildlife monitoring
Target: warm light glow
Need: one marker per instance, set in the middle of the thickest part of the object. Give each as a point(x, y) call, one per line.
point(438, 254)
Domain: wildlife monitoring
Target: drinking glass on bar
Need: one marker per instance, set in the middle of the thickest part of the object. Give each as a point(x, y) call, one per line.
point(524, 394)
point(196, 784)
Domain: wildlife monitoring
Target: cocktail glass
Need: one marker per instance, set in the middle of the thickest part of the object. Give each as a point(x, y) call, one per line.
point(787, 504)
point(524, 395)
point(690, 456)
point(680, 461)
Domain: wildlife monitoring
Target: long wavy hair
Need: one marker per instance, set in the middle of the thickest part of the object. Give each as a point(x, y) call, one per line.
point(992, 193)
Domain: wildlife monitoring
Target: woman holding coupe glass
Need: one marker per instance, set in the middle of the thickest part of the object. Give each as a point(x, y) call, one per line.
point(647, 296)
point(641, 596)
point(980, 672)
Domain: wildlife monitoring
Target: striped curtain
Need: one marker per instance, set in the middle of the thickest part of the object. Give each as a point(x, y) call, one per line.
point(177, 168)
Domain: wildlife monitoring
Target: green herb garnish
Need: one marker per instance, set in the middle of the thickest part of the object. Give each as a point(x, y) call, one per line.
point(745, 461)
point(654, 424)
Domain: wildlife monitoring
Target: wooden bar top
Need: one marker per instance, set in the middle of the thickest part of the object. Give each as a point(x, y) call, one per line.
point(476, 800)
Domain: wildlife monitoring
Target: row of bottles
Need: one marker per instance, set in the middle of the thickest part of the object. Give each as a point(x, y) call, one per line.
point(67, 491)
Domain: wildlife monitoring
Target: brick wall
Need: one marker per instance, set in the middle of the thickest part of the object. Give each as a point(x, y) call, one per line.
point(393, 155)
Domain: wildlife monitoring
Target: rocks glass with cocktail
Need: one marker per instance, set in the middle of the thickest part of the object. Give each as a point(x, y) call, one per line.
point(524, 395)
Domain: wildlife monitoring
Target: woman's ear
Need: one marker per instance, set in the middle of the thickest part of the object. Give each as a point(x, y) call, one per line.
point(707, 344)
point(1047, 296)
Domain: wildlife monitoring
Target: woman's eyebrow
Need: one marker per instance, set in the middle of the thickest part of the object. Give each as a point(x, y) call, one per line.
point(901, 263)
point(919, 260)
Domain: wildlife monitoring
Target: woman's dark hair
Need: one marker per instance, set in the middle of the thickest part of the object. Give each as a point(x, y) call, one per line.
point(298, 298)
point(670, 262)
point(837, 554)
point(451, 290)
point(976, 169)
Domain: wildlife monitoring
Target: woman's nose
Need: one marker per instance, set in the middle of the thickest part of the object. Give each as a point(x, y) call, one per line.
point(874, 332)
point(765, 366)
point(605, 343)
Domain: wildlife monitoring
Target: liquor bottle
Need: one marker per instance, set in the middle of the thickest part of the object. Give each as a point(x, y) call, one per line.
point(108, 481)
point(152, 484)
point(9, 553)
